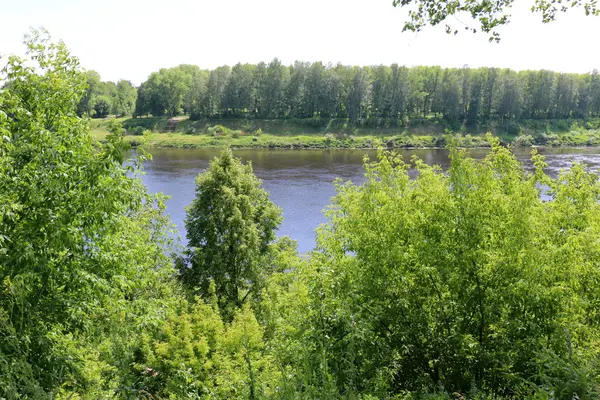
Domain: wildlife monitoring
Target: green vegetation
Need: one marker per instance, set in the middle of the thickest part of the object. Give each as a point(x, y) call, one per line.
point(373, 96)
point(298, 134)
point(357, 107)
point(104, 98)
point(460, 284)
point(488, 15)
point(230, 226)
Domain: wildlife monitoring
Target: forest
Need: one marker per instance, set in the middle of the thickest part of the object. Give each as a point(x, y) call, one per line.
point(367, 96)
point(463, 284)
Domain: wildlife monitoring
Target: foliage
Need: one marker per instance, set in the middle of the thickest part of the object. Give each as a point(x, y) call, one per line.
point(195, 355)
point(82, 262)
point(479, 283)
point(373, 96)
point(488, 15)
point(102, 106)
point(523, 141)
point(230, 226)
point(461, 281)
point(115, 127)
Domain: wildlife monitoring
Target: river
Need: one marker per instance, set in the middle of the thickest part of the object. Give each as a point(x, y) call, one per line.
point(301, 181)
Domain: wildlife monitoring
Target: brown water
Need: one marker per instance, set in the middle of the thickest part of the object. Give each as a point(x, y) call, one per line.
point(301, 181)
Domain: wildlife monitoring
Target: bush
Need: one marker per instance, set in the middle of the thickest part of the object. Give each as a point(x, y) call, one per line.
point(137, 131)
point(523, 141)
point(417, 257)
point(115, 127)
point(218, 130)
point(329, 138)
point(440, 141)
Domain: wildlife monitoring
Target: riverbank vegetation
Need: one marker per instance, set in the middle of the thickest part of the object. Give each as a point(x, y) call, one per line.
point(463, 284)
point(313, 98)
point(182, 132)
point(375, 96)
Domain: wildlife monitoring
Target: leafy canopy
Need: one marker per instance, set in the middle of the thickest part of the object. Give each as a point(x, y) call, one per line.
point(82, 262)
point(230, 226)
point(488, 14)
point(458, 281)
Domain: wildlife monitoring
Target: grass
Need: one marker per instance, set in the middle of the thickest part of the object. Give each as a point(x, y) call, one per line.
point(295, 134)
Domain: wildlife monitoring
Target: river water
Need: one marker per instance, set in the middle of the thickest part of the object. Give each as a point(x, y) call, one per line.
point(301, 181)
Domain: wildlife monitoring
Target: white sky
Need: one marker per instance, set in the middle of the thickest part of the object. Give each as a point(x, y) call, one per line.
point(129, 39)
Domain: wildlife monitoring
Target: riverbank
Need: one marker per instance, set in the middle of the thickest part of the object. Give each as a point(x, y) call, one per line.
point(264, 141)
point(248, 134)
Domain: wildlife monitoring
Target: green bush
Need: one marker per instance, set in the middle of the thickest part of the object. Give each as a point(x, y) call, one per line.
point(137, 131)
point(218, 130)
point(523, 141)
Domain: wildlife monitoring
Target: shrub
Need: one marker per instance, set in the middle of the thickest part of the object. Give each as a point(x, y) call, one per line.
point(137, 131)
point(115, 127)
point(218, 130)
point(523, 141)
point(329, 138)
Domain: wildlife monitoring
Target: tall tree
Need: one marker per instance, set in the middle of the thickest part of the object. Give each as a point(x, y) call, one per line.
point(358, 96)
point(278, 77)
point(125, 99)
point(238, 92)
point(82, 263)
point(230, 226)
point(86, 105)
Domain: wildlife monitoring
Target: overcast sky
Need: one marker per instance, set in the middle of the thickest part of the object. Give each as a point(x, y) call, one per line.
point(128, 39)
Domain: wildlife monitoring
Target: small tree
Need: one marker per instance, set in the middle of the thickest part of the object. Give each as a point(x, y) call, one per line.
point(230, 226)
point(102, 106)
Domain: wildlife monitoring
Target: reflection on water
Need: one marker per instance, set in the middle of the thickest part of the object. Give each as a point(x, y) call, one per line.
point(300, 181)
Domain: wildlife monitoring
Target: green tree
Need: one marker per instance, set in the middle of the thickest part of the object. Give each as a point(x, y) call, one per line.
point(277, 76)
point(230, 227)
point(487, 15)
point(82, 264)
point(142, 102)
point(125, 99)
point(102, 106)
point(86, 104)
point(294, 92)
point(510, 101)
point(212, 102)
point(238, 93)
point(466, 281)
point(358, 96)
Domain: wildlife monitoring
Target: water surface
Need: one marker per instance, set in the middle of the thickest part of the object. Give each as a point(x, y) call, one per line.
point(301, 181)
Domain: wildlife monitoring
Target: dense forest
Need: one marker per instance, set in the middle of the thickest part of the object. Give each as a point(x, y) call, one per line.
point(373, 96)
point(462, 284)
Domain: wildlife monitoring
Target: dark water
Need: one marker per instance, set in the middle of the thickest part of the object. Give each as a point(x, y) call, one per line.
point(301, 181)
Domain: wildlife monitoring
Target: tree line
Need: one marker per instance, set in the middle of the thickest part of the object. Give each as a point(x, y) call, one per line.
point(102, 98)
point(369, 95)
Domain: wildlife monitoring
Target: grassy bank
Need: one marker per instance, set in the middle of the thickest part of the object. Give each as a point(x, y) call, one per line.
point(184, 133)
